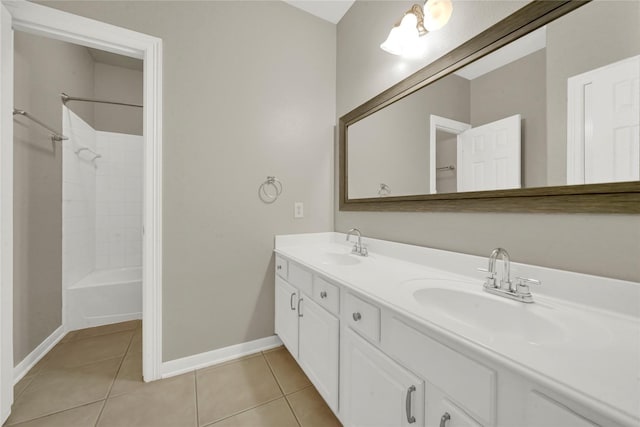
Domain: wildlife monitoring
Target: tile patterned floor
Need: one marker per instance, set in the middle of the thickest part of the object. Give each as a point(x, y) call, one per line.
point(93, 378)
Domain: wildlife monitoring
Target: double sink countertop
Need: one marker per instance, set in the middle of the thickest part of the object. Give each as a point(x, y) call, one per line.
point(581, 336)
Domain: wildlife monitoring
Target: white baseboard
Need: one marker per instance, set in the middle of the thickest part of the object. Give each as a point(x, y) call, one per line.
point(21, 369)
point(210, 358)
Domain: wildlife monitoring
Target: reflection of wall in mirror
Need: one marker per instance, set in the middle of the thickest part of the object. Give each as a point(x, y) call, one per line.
point(392, 145)
point(590, 37)
point(446, 153)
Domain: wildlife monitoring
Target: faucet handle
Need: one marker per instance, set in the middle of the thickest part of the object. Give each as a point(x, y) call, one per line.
point(523, 283)
point(491, 278)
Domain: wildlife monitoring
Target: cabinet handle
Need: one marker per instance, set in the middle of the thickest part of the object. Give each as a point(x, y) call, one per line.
point(443, 420)
point(293, 308)
point(323, 294)
point(300, 312)
point(357, 316)
point(410, 418)
point(279, 267)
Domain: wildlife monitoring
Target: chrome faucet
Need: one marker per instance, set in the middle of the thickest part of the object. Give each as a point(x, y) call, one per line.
point(358, 249)
point(519, 292)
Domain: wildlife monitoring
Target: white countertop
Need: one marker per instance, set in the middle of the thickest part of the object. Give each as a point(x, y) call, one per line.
point(593, 354)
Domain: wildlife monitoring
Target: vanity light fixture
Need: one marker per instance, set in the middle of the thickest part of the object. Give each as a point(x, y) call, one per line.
point(415, 23)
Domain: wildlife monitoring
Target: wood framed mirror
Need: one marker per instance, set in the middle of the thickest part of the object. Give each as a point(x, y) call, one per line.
point(563, 185)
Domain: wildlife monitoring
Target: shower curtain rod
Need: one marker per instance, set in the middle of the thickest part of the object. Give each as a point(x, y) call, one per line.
point(55, 135)
point(65, 98)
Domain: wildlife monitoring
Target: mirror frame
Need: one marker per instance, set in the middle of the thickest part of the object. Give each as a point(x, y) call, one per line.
point(620, 197)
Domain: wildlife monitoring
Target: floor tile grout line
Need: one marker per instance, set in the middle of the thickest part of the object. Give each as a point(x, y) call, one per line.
point(282, 390)
point(275, 377)
point(195, 381)
point(94, 336)
point(243, 411)
point(115, 377)
point(52, 413)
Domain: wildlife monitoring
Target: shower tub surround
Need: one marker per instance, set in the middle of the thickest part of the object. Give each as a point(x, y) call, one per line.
point(102, 225)
point(407, 336)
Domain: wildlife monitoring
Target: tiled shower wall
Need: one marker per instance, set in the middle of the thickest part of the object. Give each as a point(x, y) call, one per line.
point(118, 201)
point(102, 200)
point(78, 199)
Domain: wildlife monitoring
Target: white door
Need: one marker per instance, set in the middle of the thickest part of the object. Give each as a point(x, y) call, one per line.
point(287, 315)
point(318, 349)
point(603, 138)
point(6, 215)
point(377, 391)
point(489, 156)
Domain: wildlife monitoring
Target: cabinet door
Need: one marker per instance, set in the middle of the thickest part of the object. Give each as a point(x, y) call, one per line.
point(376, 391)
point(287, 315)
point(318, 349)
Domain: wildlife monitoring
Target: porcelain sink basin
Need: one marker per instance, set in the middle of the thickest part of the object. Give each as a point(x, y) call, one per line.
point(490, 315)
point(339, 258)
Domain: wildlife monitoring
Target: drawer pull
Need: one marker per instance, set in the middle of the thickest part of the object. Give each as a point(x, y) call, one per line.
point(410, 418)
point(357, 316)
point(280, 267)
point(323, 294)
point(300, 312)
point(443, 420)
point(293, 307)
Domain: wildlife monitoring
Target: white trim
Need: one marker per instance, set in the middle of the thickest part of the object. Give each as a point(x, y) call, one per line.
point(38, 353)
point(6, 214)
point(214, 357)
point(437, 123)
point(44, 21)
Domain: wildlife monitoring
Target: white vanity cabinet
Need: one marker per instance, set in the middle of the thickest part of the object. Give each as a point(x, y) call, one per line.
point(375, 390)
point(310, 332)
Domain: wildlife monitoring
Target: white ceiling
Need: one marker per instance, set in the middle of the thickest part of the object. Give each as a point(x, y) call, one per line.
point(515, 50)
point(329, 10)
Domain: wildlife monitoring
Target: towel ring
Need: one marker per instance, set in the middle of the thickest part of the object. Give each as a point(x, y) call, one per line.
point(270, 189)
point(384, 190)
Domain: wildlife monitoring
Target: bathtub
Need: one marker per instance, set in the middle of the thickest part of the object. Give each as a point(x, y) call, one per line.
point(104, 297)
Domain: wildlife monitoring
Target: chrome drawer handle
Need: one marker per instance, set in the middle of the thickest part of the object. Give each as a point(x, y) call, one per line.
point(357, 316)
point(410, 418)
point(300, 312)
point(323, 294)
point(445, 417)
point(293, 308)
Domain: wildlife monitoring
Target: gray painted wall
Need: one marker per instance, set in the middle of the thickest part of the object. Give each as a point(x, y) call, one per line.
point(43, 68)
point(249, 91)
point(114, 83)
point(607, 245)
point(517, 88)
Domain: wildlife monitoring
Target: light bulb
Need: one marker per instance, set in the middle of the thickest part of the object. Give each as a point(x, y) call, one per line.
point(437, 14)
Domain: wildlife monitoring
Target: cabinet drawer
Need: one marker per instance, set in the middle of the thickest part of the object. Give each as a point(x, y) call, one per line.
point(326, 294)
point(281, 267)
point(300, 278)
point(465, 381)
point(363, 317)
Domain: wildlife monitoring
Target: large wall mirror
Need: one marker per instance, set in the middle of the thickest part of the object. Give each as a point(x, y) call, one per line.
point(538, 113)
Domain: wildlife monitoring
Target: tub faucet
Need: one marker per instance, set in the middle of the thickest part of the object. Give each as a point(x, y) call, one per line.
point(358, 249)
point(519, 292)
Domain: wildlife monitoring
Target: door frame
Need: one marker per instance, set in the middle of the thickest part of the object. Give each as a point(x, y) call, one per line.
point(40, 20)
point(437, 123)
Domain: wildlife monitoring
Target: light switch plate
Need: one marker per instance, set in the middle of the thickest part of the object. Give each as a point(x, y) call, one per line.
point(298, 210)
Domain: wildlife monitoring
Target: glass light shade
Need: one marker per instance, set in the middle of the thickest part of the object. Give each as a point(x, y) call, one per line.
point(402, 36)
point(393, 43)
point(437, 14)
